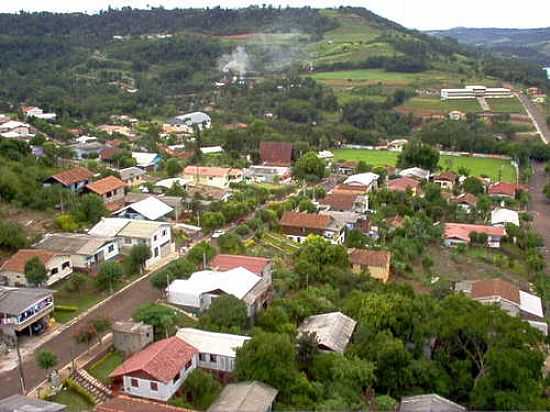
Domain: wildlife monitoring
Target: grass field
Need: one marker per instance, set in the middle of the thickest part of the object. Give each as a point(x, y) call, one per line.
point(512, 105)
point(477, 166)
point(72, 400)
point(103, 367)
point(435, 104)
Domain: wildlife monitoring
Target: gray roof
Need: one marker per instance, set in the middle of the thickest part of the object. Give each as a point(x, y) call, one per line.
point(20, 403)
point(429, 403)
point(15, 300)
point(190, 118)
point(130, 173)
point(73, 243)
point(245, 397)
point(333, 330)
point(130, 327)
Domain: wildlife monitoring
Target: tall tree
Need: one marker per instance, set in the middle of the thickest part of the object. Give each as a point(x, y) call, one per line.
point(416, 154)
point(36, 273)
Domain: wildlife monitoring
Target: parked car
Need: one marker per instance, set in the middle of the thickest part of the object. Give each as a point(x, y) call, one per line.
point(218, 233)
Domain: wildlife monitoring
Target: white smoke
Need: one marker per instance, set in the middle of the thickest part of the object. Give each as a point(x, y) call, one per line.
point(237, 62)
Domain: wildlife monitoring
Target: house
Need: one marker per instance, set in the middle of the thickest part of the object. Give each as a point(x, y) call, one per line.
point(459, 233)
point(89, 150)
point(169, 183)
point(457, 115)
point(245, 396)
point(115, 129)
point(267, 174)
point(131, 337)
point(276, 153)
point(348, 220)
point(150, 208)
point(108, 154)
point(260, 266)
point(429, 403)
point(333, 330)
point(211, 150)
point(415, 173)
point(175, 202)
point(509, 298)
point(110, 189)
point(12, 129)
point(325, 155)
point(132, 176)
point(397, 145)
point(404, 184)
point(501, 217)
point(149, 162)
point(445, 180)
point(504, 189)
point(376, 262)
point(156, 235)
point(476, 91)
point(187, 122)
point(466, 202)
point(12, 271)
point(158, 371)
point(26, 309)
point(197, 293)
point(346, 168)
point(20, 403)
point(220, 177)
point(86, 252)
point(346, 201)
point(38, 113)
point(74, 179)
point(367, 181)
point(298, 226)
point(122, 403)
point(217, 351)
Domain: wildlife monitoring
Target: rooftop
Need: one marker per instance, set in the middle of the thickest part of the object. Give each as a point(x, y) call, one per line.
point(105, 185)
point(307, 220)
point(503, 216)
point(333, 330)
point(276, 153)
point(495, 287)
point(141, 229)
point(446, 176)
point(73, 243)
point(16, 263)
point(252, 263)
point(466, 198)
point(129, 327)
point(402, 184)
point(415, 172)
point(211, 171)
point(20, 403)
point(223, 344)
point(375, 258)
point(15, 300)
point(362, 179)
point(429, 403)
point(108, 226)
point(75, 175)
point(130, 173)
point(145, 159)
point(340, 200)
point(462, 231)
point(505, 188)
point(151, 208)
point(245, 397)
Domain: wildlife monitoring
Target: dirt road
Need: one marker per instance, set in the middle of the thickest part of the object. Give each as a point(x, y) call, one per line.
point(540, 207)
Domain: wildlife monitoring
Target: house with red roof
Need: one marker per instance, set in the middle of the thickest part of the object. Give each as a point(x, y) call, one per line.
point(276, 153)
point(110, 189)
point(466, 202)
point(298, 226)
point(74, 179)
point(505, 189)
point(446, 180)
point(375, 262)
point(158, 371)
point(260, 266)
point(58, 266)
point(403, 184)
point(459, 233)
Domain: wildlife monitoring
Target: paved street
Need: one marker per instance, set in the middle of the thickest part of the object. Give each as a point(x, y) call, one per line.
point(536, 116)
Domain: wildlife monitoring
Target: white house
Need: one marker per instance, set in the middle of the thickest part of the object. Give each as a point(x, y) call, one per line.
point(211, 150)
point(368, 180)
point(170, 182)
point(220, 177)
point(150, 208)
point(217, 351)
point(38, 113)
point(12, 271)
point(474, 92)
point(501, 217)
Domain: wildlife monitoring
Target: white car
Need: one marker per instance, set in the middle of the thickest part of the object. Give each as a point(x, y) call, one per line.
point(218, 233)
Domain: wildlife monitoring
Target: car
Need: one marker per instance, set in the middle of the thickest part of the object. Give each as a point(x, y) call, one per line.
point(218, 233)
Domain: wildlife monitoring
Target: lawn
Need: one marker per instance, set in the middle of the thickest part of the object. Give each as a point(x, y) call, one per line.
point(477, 166)
point(435, 104)
point(104, 366)
point(512, 105)
point(72, 400)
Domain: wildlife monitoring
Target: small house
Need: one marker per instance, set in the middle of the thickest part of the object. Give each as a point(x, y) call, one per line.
point(38, 113)
point(150, 208)
point(505, 190)
point(333, 330)
point(298, 226)
point(110, 189)
point(346, 168)
point(245, 396)
point(415, 173)
point(20, 403)
point(149, 162)
point(404, 184)
point(90, 150)
point(397, 145)
point(445, 180)
point(131, 337)
point(186, 123)
point(132, 176)
point(466, 202)
point(367, 181)
point(74, 179)
point(429, 403)
point(12, 271)
point(267, 174)
point(501, 217)
point(459, 233)
point(260, 266)
point(457, 115)
point(346, 201)
point(219, 177)
point(376, 262)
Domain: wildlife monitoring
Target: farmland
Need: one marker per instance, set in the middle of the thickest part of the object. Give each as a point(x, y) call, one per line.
point(512, 105)
point(435, 104)
point(477, 166)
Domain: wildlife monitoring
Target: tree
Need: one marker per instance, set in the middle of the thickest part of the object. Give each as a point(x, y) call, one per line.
point(211, 221)
point(66, 223)
point(137, 257)
point(308, 348)
point(109, 275)
point(36, 273)
point(85, 334)
point(12, 236)
point(161, 317)
point(309, 167)
point(416, 154)
point(181, 268)
point(473, 185)
point(362, 167)
point(90, 209)
point(172, 167)
point(546, 191)
point(225, 314)
point(202, 252)
point(356, 239)
point(307, 206)
point(231, 243)
point(46, 360)
point(202, 388)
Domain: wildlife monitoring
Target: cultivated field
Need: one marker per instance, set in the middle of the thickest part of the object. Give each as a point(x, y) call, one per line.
point(512, 105)
point(477, 166)
point(435, 104)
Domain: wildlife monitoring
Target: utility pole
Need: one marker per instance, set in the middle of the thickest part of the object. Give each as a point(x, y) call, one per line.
point(20, 363)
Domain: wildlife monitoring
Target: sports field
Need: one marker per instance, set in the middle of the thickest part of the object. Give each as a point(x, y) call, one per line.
point(477, 166)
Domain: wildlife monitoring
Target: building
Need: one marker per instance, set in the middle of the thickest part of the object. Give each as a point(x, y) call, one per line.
point(415, 173)
point(260, 266)
point(298, 226)
point(459, 233)
point(429, 403)
point(245, 396)
point(20, 403)
point(501, 217)
point(116, 129)
point(404, 184)
point(209, 150)
point(474, 92)
point(276, 153)
point(131, 337)
point(367, 181)
point(166, 184)
point(108, 155)
point(90, 150)
point(376, 262)
point(121, 403)
point(158, 371)
point(37, 113)
point(197, 293)
point(12, 129)
point(151, 208)
point(504, 189)
point(397, 145)
point(149, 162)
point(217, 351)
point(186, 123)
point(110, 189)
point(466, 202)
point(509, 298)
point(325, 155)
point(25, 309)
point(457, 115)
point(132, 176)
point(346, 168)
point(445, 180)
point(156, 235)
point(333, 330)
point(86, 252)
point(75, 179)
point(267, 174)
point(220, 177)
point(345, 201)
point(12, 271)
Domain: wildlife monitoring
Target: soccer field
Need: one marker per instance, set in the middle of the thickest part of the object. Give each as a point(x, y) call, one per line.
point(477, 166)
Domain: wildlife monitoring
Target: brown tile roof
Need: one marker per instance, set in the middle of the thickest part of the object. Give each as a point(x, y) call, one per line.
point(17, 262)
point(374, 258)
point(505, 189)
point(401, 184)
point(227, 262)
point(340, 200)
point(466, 198)
point(108, 153)
point(162, 360)
point(447, 176)
point(211, 171)
point(495, 287)
point(105, 185)
point(126, 404)
point(462, 231)
point(350, 164)
point(306, 220)
point(342, 188)
point(75, 175)
point(276, 153)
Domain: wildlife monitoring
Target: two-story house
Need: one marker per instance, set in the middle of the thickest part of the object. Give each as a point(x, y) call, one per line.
point(12, 271)
point(110, 189)
point(298, 226)
point(220, 177)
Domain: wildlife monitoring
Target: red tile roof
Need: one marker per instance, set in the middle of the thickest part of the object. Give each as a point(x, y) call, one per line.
point(75, 175)
point(350, 189)
point(505, 189)
point(276, 153)
point(340, 200)
point(374, 258)
point(211, 171)
point(127, 404)
point(108, 153)
point(107, 184)
point(162, 360)
point(495, 287)
point(306, 220)
point(17, 262)
point(447, 176)
point(462, 231)
point(401, 184)
point(227, 262)
point(466, 198)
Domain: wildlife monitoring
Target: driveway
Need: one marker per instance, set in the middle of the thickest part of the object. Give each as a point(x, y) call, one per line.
point(540, 207)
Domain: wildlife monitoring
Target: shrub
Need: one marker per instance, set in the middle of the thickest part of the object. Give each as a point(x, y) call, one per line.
point(74, 386)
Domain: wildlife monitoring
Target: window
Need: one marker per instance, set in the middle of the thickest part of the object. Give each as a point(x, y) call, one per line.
point(154, 386)
point(176, 378)
point(65, 265)
point(164, 232)
point(188, 365)
point(127, 240)
point(134, 383)
point(156, 252)
point(212, 358)
point(202, 357)
point(54, 271)
point(109, 194)
point(111, 248)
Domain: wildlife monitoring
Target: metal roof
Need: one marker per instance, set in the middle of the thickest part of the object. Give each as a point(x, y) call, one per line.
point(333, 330)
point(15, 300)
point(141, 229)
point(73, 243)
point(363, 179)
point(245, 397)
point(223, 344)
point(108, 226)
point(429, 403)
point(145, 159)
point(20, 403)
point(130, 172)
point(151, 208)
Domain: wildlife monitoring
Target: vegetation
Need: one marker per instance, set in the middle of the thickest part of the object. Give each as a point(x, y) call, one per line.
point(36, 273)
point(162, 318)
point(416, 154)
point(46, 360)
point(104, 366)
point(226, 314)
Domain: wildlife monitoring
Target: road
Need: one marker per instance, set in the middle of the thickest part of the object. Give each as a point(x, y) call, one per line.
point(536, 116)
point(540, 207)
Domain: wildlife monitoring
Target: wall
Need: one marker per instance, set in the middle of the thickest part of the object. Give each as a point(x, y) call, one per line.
point(221, 363)
point(132, 342)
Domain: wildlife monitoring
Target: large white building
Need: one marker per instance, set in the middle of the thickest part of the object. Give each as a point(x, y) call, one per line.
point(473, 92)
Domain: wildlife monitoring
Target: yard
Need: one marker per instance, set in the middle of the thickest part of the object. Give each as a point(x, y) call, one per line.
point(104, 366)
point(512, 105)
point(73, 401)
point(477, 166)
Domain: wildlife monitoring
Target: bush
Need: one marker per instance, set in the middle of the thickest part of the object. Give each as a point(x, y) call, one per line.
point(66, 223)
point(72, 385)
point(65, 308)
point(243, 230)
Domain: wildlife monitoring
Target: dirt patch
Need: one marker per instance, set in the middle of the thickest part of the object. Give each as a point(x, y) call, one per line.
point(34, 222)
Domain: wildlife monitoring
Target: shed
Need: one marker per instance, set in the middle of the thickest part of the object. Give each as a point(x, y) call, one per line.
point(245, 397)
point(333, 330)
